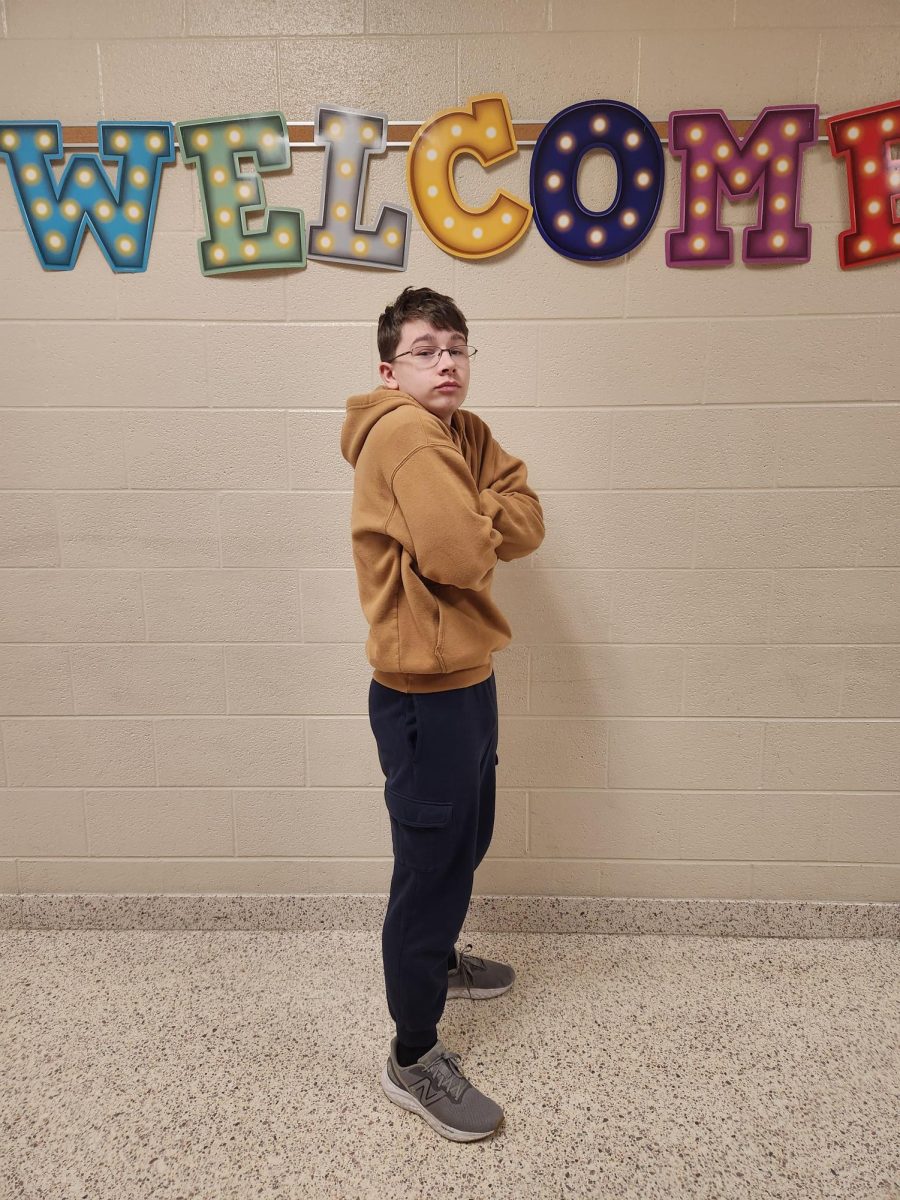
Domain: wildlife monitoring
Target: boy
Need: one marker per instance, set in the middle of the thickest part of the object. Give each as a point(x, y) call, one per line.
point(436, 502)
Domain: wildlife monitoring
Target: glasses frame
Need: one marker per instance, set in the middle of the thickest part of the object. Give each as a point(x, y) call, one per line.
point(470, 353)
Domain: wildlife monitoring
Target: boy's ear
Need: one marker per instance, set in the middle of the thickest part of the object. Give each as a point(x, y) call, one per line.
point(388, 378)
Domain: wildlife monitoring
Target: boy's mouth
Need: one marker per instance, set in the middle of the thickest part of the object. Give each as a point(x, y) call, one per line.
point(448, 387)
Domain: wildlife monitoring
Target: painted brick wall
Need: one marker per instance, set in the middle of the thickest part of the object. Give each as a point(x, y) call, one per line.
point(702, 697)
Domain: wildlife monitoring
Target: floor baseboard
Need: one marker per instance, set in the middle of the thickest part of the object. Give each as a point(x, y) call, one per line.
point(515, 914)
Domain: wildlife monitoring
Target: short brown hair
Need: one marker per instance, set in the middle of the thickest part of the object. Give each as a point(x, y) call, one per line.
point(417, 304)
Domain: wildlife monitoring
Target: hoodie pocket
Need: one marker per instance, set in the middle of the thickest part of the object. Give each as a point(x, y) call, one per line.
point(418, 628)
point(439, 643)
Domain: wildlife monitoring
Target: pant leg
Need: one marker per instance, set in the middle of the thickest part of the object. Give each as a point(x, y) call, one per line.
point(437, 751)
point(488, 786)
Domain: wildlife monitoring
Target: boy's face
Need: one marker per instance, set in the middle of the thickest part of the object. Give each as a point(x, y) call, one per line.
point(442, 387)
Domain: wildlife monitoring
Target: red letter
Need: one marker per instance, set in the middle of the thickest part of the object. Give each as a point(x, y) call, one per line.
point(873, 180)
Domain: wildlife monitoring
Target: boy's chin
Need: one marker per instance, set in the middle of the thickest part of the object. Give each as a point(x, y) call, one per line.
point(440, 406)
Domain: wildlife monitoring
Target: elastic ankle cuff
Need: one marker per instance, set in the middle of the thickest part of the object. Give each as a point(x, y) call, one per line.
point(417, 1037)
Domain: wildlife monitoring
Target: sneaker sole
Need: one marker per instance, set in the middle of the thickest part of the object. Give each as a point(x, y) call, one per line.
point(405, 1100)
point(477, 993)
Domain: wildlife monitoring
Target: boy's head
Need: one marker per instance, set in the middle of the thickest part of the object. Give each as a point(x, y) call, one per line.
point(420, 321)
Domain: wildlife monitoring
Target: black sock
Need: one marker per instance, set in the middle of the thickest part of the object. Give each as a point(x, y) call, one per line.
point(407, 1055)
point(451, 961)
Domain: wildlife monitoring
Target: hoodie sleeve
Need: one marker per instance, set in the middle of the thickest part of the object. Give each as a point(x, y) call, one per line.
point(514, 508)
point(453, 541)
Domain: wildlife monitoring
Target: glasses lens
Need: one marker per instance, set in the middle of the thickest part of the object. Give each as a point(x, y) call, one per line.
point(429, 358)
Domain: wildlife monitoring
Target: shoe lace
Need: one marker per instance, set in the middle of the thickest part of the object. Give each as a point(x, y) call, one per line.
point(446, 1072)
point(468, 963)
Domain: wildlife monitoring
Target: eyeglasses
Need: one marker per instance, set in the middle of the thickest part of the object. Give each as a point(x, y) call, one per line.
point(431, 357)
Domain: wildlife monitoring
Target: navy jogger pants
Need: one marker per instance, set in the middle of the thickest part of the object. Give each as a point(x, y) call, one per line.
point(438, 752)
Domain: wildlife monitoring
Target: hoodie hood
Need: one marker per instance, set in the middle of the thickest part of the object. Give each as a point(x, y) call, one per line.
point(366, 410)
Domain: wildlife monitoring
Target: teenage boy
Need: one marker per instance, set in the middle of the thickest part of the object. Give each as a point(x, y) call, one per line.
point(436, 502)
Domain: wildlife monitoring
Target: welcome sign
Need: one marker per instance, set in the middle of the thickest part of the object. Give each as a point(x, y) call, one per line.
point(715, 160)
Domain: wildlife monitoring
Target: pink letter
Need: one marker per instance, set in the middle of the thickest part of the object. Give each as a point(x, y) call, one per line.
point(767, 161)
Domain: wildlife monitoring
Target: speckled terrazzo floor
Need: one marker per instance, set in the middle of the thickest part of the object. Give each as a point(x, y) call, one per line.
point(231, 1064)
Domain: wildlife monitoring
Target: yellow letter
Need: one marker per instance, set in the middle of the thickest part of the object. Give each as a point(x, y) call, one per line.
point(484, 130)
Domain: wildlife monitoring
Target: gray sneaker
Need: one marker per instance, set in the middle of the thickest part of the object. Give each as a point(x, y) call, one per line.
point(436, 1089)
point(480, 978)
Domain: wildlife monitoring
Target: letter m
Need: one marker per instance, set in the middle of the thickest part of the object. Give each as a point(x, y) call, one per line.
point(715, 161)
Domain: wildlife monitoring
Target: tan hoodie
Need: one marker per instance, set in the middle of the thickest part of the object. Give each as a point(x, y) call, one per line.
point(433, 509)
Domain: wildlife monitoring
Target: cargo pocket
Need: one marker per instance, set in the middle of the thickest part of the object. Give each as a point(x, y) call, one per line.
point(418, 830)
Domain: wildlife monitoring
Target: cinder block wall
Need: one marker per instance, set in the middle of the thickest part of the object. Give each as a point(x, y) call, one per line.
point(702, 697)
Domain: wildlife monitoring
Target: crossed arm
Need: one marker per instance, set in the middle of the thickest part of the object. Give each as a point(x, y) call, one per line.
point(456, 531)
point(514, 508)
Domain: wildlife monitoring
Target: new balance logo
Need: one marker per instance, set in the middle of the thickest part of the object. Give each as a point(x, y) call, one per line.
point(425, 1091)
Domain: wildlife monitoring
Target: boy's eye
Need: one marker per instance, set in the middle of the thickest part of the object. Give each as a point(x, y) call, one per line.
point(430, 356)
